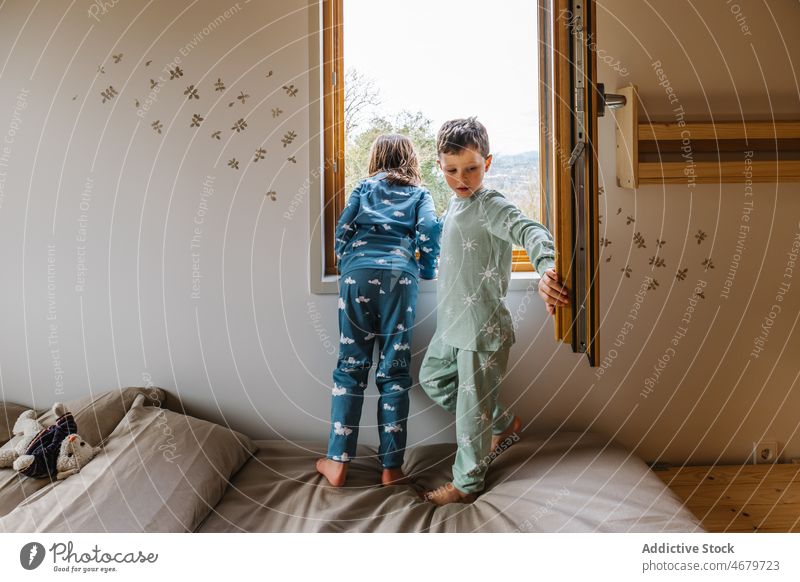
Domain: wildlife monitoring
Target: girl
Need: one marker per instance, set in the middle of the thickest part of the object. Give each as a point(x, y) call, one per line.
point(388, 218)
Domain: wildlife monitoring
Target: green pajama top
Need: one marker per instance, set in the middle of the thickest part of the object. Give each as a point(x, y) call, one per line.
point(475, 266)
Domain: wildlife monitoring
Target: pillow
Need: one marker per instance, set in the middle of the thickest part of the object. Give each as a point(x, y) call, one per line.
point(97, 415)
point(160, 471)
point(9, 413)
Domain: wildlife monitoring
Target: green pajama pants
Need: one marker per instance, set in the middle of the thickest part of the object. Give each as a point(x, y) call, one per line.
point(467, 383)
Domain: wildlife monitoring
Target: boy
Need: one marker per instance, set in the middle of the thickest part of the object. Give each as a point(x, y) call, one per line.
point(468, 354)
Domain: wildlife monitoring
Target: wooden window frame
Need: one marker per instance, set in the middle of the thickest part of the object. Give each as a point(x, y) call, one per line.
point(571, 216)
point(333, 126)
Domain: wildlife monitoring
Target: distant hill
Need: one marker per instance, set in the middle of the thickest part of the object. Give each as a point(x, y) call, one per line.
point(509, 160)
point(516, 176)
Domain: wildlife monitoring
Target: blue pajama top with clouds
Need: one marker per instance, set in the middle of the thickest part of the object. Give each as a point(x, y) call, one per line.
point(383, 225)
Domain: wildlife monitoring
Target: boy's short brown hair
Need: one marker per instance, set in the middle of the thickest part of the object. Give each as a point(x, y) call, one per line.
point(457, 134)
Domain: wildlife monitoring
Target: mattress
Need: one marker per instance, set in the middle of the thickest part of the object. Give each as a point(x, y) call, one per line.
point(568, 482)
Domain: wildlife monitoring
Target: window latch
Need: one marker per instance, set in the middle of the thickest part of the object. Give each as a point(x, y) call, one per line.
point(576, 153)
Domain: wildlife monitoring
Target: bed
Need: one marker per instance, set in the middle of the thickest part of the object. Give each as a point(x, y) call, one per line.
point(161, 470)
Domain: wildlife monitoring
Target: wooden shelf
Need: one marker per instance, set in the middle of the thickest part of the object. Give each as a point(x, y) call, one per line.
point(724, 130)
point(719, 172)
point(739, 498)
point(703, 152)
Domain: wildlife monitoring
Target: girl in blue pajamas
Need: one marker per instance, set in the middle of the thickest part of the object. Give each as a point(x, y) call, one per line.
point(388, 218)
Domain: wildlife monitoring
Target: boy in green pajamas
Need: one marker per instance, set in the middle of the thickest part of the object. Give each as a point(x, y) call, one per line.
point(468, 354)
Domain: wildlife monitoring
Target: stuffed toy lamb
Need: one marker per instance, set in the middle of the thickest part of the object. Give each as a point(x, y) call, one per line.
point(56, 451)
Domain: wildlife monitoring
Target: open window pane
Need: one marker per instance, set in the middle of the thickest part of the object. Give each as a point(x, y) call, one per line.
point(569, 144)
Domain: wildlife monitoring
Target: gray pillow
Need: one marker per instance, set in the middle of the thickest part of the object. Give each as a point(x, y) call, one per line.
point(9, 413)
point(97, 415)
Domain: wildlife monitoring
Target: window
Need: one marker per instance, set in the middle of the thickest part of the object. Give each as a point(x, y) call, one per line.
point(570, 100)
point(378, 79)
point(388, 80)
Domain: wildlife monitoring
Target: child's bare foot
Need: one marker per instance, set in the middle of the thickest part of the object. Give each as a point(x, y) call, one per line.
point(333, 471)
point(394, 476)
point(512, 430)
point(448, 494)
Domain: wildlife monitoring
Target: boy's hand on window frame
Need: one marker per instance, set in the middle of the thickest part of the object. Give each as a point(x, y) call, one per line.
point(552, 291)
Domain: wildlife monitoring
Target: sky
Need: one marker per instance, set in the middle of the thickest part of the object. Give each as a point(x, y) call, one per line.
point(452, 58)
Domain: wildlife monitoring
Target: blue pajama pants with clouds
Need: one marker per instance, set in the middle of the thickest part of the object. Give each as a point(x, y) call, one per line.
point(374, 305)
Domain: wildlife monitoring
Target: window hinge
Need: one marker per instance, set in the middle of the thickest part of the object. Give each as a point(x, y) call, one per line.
point(334, 78)
point(335, 167)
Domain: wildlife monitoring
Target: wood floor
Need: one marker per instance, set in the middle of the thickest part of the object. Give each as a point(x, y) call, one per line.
point(740, 498)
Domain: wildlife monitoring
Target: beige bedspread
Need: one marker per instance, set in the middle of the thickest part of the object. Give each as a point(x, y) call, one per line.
point(558, 483)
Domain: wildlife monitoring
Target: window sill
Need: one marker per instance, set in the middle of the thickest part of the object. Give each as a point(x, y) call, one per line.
point(520, 281)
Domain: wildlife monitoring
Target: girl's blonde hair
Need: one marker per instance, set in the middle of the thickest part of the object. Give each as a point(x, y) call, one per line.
point(394, 154)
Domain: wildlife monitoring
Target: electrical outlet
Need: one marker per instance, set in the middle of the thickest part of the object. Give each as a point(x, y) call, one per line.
point(765, 452)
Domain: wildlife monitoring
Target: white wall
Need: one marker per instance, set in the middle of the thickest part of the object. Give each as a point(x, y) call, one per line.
point(723, 60)
point(251, 348)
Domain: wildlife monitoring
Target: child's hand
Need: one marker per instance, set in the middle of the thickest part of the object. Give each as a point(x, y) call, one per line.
point(552, 291)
